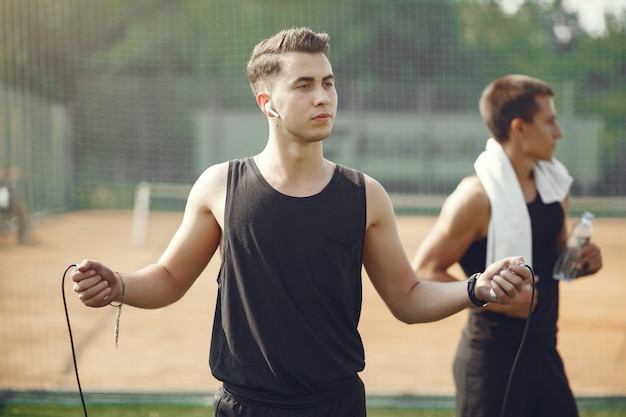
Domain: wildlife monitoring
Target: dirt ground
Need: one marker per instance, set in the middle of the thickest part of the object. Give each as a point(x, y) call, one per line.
point(167, 349)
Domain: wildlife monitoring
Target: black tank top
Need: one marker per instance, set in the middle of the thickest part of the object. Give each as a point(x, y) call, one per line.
point(289, 289)
point(500, 332)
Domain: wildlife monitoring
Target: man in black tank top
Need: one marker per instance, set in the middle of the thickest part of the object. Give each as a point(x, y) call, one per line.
point(293, 230)
point(517, 182)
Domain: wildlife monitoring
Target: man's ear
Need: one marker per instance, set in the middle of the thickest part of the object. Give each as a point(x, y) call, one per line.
point(517, 126)
point(262, 98)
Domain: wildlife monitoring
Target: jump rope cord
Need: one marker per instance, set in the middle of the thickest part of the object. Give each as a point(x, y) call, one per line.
point(69, 328)
point(521, 343)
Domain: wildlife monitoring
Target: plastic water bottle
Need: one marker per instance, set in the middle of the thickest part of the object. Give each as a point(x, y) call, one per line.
point(566, 267)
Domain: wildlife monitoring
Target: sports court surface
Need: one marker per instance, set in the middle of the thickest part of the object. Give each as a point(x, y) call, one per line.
point(166, 349)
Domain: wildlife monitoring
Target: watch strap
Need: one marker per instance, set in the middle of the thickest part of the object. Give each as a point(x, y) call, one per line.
point(471, 291)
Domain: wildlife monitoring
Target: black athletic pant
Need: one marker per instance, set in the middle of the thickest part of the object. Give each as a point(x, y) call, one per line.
point(539, 388)
point(350, 405)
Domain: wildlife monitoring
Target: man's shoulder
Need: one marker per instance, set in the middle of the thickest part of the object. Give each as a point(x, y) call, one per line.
point(467, 209)
point(470, 195)
point(471, 186)
point(353, 175)
point(214, 175)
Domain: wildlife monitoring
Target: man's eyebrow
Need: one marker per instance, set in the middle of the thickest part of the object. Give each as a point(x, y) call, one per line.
point(310, 79)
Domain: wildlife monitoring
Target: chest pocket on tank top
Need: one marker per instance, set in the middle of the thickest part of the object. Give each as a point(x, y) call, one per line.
point(335, 265)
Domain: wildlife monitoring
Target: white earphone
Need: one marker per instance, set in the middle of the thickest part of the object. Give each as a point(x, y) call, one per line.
point(270, 110)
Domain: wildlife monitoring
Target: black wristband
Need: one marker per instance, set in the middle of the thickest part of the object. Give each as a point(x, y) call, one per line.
point(471, 285)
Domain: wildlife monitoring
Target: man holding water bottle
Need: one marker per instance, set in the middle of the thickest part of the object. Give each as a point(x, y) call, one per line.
point(516, 203)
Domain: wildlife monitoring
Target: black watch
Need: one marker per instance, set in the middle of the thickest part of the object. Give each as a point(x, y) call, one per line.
point(471, 284)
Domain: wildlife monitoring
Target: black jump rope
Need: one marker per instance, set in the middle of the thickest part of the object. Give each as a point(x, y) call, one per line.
point(69, 329)
point(506, 392)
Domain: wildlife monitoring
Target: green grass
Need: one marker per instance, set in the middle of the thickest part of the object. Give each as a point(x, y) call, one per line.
point(41, 403)
point(163, 410)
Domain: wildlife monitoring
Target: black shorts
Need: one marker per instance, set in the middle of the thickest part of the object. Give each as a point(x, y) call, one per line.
point(350, 405)
point(539, 388)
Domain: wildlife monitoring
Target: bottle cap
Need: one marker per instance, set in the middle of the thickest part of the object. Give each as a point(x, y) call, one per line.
point(587, 216)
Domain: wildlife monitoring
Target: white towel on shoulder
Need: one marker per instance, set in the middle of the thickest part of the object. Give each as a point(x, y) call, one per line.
point(509, 227)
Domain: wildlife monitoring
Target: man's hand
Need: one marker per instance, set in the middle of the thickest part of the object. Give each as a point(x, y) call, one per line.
point(590, 259)
point(519, 307)
point(502, 281)
point(94, 284)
